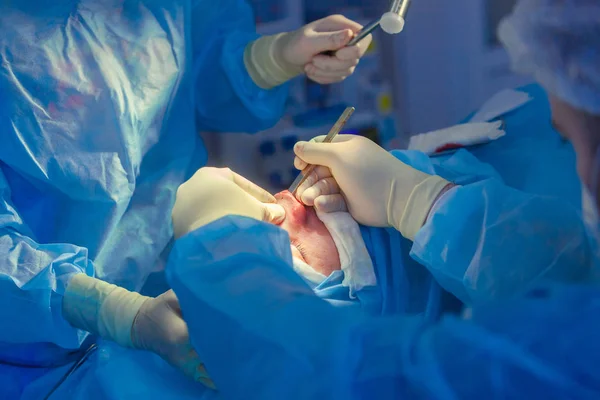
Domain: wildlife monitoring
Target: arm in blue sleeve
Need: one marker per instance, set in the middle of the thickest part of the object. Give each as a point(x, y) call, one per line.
point(261, 331)
point(485, 240)
point(33, 278)
point(226, 97)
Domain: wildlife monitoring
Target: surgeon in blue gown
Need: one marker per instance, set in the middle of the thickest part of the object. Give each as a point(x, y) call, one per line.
point(98, 102)
point(276, 339)
point(522, 156)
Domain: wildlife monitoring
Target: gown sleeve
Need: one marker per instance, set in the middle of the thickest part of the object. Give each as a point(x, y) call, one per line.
point(226, 97)
point(486, 241)
point(33, 279)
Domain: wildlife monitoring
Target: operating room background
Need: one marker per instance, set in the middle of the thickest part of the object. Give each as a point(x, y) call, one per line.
point(445, 64)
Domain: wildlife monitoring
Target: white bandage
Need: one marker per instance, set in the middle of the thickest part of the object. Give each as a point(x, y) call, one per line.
point(307, 272)
point(355, 260)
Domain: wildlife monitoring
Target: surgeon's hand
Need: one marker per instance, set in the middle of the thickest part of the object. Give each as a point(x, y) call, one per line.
point(379, 189)
point(305, 48)
point(213, 193)
point(159, 327)
point(320, 190)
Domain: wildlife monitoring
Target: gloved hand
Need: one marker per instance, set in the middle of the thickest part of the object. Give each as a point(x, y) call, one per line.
point(132, 320)
point(213, 193)
point(273, 60)
point(159, 327)
point(379, 189)
point(320, 189)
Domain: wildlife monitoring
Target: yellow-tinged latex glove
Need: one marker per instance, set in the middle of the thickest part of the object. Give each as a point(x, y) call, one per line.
point(379, 189)
point(213, 193)
point(159, 327)
point(273, 60)
point(132, 320)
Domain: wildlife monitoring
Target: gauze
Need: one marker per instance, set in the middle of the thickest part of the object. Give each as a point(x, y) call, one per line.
point(455, 137)
point(308, 273)
point(355, 260)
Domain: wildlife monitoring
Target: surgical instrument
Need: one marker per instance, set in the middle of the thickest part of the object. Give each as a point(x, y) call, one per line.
point(391, 22)
point(328, 139)
point(364, 32)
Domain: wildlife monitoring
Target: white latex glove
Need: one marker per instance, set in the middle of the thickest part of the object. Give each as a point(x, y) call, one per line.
point(213, 193)
point(273, 60)
point(159, 327)
point(132, 320)
point(320, 190)
point(379, 189)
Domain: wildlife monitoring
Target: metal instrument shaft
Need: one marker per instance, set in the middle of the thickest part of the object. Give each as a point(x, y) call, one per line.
point(339, 125)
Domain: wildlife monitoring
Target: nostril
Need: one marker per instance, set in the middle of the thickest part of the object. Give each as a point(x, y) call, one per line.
point(295, 211)
point(287, 198)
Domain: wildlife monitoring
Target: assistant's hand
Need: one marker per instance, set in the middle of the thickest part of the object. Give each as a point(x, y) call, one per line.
point(132, 320)
point(273, 60)
point(305, 46)
point(379, 189)
point(213, 193)
point(159, 327)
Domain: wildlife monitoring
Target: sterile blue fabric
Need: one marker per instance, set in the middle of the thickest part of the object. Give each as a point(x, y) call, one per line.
point(486, 217)
point(532, 156)
point(489, 217)
point(116, 373)
point(546, 238)
point(276, 339)
point(98, 103)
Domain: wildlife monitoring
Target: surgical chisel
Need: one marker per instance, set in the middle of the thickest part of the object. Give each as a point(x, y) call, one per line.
point(328, 139)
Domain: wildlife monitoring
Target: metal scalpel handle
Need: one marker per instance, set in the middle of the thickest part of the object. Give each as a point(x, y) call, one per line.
point(339, 125)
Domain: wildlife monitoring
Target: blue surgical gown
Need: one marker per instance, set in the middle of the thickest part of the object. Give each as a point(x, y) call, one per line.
point(98, 101)
point(263, 333)
point(485, 240)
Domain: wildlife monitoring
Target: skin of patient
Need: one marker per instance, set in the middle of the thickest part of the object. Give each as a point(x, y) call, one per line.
point(310, 239)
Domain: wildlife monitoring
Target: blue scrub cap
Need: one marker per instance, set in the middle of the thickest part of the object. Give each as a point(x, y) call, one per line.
point(558, 42)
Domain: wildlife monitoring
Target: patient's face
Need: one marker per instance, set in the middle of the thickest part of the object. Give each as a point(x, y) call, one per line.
point(310, 239)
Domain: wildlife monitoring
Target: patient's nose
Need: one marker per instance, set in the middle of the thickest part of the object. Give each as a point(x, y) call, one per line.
point(295, 212)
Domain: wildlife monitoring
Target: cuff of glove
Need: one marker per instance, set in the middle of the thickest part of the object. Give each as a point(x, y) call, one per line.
point(419, 203)
point(102, 309)
point(265, 65)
